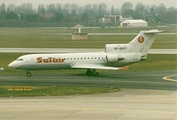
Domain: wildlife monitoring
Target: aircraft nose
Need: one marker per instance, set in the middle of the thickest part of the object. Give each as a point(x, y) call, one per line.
point(12, 65)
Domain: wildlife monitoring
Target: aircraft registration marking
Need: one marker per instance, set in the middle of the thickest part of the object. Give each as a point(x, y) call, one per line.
point(50, 60)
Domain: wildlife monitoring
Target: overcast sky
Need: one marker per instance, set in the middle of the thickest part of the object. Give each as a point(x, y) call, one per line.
point(116, 3)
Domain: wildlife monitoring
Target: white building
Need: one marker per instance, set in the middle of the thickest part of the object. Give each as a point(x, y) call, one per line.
point(134, 23)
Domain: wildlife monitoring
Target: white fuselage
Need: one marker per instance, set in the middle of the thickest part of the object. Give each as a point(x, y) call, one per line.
point(66, 61)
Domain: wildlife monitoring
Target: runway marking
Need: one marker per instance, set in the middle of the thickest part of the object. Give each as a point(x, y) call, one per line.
point(169, 78)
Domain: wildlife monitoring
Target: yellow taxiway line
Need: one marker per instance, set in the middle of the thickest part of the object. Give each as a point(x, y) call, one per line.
point(169, 78)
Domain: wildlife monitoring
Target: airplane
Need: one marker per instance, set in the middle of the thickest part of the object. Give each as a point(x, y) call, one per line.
point(113, 57)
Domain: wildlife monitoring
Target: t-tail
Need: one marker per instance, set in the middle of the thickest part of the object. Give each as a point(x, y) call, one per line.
point(140, 44)
point(143, 41)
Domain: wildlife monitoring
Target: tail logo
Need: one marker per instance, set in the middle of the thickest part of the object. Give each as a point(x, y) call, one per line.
point(141, 39)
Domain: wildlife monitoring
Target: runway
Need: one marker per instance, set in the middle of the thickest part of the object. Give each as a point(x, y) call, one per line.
point(74, 50)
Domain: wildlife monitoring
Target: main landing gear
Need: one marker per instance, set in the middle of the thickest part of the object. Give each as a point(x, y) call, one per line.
point(92, 72)
point(28, 74)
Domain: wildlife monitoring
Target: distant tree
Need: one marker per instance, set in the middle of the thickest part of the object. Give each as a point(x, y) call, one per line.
point(2, 12)
point(59, 17)
point(74, 16)
point(161, 13)
point(41, 9)
point(87, 7)
point(112, 10)
point(26, 8)
point(88, 15)
point(74, 7)
point(41, 13)
point(139, 7)
point(85, 17)
point(102, 9)
point(171, 15)
point(129, 13)
point(11, 16)
point(31, 17)
point(140, 11)
point(80, 10)
point(126, 6)
point(51, 9)
point(66, 8)
point(11, 7)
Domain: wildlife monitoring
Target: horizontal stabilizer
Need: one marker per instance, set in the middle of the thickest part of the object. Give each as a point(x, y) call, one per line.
point(93, 66)
point(153, 31)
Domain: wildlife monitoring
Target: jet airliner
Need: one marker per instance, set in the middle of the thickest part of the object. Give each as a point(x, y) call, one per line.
point(113, 57)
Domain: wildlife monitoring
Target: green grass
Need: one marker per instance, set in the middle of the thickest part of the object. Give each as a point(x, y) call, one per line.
point(162, 41)
point(165, 42)
point(54, 91)
point(49, 38)
point(55, 31)
point(155, 63)
point(59, 41)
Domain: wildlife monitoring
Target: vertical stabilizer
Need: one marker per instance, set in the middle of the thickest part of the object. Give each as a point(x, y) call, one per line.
point(143, 41)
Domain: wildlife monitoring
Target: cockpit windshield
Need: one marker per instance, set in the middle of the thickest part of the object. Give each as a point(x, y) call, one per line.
point(19, 59)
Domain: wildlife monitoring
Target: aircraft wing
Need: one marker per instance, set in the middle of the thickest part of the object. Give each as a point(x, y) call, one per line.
point(93, 66)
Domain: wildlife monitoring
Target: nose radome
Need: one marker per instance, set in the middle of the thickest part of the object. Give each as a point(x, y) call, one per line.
point(12, 65)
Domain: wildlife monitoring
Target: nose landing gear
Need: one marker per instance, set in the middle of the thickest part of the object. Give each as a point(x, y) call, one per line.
point(28, 74)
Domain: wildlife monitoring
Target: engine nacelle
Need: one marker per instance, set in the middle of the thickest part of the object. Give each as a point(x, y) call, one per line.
point(112, 58)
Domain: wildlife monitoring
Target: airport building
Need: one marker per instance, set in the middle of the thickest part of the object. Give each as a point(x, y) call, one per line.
point(134, 23)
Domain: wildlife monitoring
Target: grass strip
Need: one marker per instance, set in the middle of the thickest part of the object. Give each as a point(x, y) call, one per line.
point(54, 91)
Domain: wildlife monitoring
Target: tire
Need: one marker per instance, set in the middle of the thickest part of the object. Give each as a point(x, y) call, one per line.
point(28, 74)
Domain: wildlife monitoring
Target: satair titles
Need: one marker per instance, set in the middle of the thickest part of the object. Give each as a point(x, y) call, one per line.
point(50, 60)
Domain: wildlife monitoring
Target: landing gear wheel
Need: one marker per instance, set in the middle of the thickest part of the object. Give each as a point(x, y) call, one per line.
point(96, 74)
point(92, 72)
point(28, 74)
point(89, 72)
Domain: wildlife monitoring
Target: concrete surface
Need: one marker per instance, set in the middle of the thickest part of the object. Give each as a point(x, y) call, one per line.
point(129, 104)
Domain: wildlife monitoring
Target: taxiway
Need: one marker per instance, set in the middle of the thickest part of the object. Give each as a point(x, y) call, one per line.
point(131, 80)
